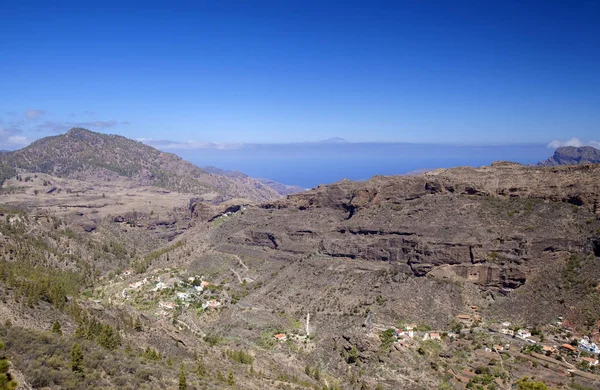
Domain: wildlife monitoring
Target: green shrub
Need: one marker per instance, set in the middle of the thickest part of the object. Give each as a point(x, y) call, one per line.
point(526, 384)
point(387, 338)
point(240, 357)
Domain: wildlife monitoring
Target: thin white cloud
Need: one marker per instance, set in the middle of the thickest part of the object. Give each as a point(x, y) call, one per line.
point(576, 142)
point(60, 127)
point(11, 139)
point(186, 145)
point(19, 140)
point(33, 114)
point(99, 124)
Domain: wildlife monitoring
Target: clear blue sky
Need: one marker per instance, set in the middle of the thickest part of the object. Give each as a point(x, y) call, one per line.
point(477, 72)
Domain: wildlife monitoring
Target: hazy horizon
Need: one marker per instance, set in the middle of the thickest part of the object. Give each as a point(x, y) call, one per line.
point(308, 164)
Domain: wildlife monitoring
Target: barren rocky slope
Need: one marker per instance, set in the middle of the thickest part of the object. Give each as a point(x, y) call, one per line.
point(499, 243)
point(493, 227)
point(94, 157)
point(281, 189)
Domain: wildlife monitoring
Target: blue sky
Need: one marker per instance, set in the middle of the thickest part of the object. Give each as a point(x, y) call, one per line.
point(450, 72)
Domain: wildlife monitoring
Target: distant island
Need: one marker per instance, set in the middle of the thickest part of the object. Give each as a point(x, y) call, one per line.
point(568, 155)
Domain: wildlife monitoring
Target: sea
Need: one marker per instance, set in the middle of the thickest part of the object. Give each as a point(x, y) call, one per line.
point(309, 165)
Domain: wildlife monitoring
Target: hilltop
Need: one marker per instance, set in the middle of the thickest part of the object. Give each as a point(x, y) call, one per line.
point(99, 158)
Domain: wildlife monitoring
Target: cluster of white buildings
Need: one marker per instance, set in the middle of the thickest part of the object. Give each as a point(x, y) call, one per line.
point(586, 345)
point(193, 288)
point(523, 334)
point(407, 332)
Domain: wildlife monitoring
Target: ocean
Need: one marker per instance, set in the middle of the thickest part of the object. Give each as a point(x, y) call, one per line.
point(308, 165)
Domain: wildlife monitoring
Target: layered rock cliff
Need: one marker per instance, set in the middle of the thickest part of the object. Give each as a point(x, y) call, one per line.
point(491, 227)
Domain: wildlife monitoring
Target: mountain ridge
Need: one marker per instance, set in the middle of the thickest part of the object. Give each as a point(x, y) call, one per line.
point(86, 155)
point(282, 189)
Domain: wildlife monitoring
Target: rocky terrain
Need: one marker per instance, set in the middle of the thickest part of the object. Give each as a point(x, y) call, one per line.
point(567, 155)
point(488, 227)
point(395, 282)
point(281, 189)
point(98, 158)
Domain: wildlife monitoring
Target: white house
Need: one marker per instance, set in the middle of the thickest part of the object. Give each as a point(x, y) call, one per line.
point(591, 361)
point(213, 303)
point(183, 295)
point(136, 285)
point(159, 286)
point(167, 305)
point(523, 333)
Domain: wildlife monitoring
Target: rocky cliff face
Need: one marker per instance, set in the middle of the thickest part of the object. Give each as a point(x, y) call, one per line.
point(491, 227)
point(569, 155)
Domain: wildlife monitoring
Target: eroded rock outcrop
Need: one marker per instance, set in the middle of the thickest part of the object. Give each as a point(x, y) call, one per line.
point(490, 226)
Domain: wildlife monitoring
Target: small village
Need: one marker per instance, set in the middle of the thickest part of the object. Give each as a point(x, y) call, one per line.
point(174, 293)
point(171, 296)
point(556, 345)
point(558, 340)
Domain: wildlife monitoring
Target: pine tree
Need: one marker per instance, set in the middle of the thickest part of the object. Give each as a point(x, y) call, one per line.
point(230, 379)
point(108, 337)
point(56, 328)
point(182, 379)
point(6, 380)
point(201, 370)
point(77, 359)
